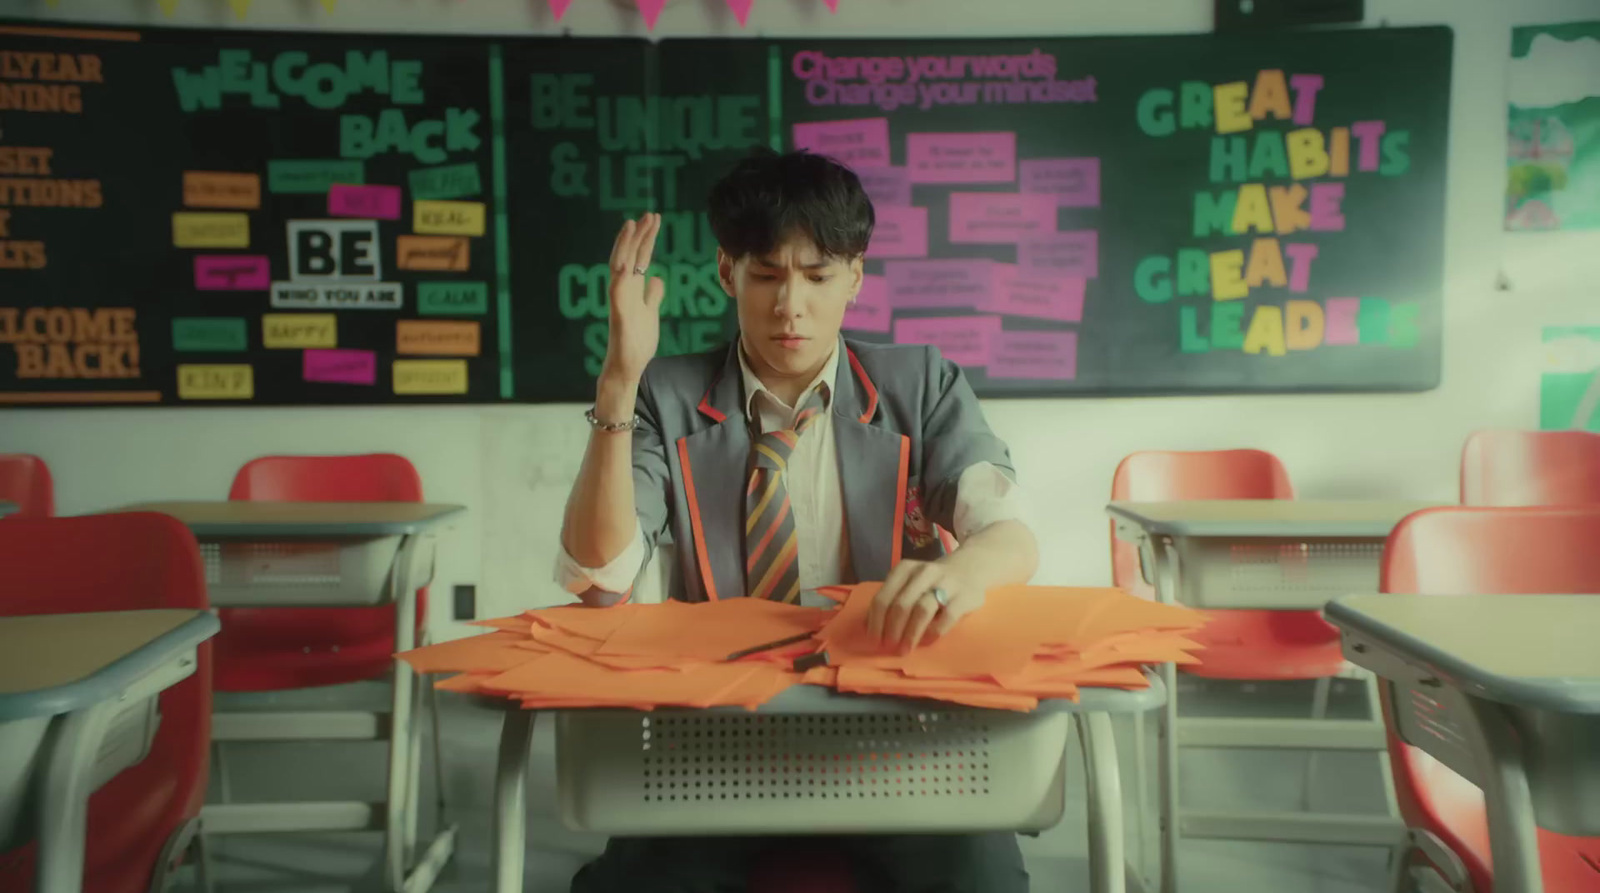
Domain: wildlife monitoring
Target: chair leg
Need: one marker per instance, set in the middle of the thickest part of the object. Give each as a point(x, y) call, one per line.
point(224, 787)
point(414, 770)
point(200, 852)
point(1141, 791)
point(1319, 710)
point(438, 755)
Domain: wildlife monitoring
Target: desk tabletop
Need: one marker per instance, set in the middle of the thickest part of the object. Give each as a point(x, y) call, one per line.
point(245, 518)
point(8, 508)
point(1526, 650)
point(56, 663)
point(811, 700)
point(1268, 517)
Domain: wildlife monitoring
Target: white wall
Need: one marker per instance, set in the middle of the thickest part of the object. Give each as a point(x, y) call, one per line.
point(511, 466)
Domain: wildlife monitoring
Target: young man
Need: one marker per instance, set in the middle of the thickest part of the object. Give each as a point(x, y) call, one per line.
point(789, 460)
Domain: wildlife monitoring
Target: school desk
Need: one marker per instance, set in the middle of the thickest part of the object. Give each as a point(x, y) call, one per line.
point(1260, 554)
point(77, 706)
point(328, 554)
point(8, 508)
point(1503, 689)
point(814, 760)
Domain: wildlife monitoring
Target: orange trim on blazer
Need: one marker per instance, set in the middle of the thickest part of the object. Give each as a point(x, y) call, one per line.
point(700, 555)
point(900, 501)
point(872, 394)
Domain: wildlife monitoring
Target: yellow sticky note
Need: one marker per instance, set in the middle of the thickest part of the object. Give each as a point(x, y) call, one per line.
point(440, 218)
point(441, 339)
point(299, 330)
point(201, 229)
point(232, 381)
point(430, 376)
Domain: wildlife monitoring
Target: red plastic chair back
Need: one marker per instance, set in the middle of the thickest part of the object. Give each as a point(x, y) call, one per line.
point(1239, 644)
point(1458, 550)
point(25, 480)
point(122, 562)
point(268, 649)
point(1531, 468)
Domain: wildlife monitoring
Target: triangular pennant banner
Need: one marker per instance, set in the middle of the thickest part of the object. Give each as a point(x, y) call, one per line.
point(833, 5)
point(741, 10)
point(240, 7)
point(651, 9)
point(558, 8)
point(169, 7)
point(329, 5)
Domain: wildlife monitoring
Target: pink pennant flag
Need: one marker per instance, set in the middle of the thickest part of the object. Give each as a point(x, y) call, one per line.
point(741, 10)
point(651, 9)
point(833, 5)
point(559, 8)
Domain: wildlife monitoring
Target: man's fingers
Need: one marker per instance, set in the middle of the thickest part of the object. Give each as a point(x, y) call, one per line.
point(622, 247)
point(923, 614)
point(894, 622)
point(649, 226)
point(886, 594)
point(654, 292)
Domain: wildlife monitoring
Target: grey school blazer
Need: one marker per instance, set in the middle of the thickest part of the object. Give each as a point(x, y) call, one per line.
point(906, 424)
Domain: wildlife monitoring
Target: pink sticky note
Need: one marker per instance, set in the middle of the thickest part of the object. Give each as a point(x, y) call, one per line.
point(216, 272)
point(1041, 355)
point(1040, 295)
point(341, 366)
point(860, 143)
point(1074, 182)
point(899, 232)
point(889, 186)
point(965, 340)
point(1075, 253)
point(870, 312)
point(1000, 217)
point(962, 157)
point(938, 283)
point(374, 202)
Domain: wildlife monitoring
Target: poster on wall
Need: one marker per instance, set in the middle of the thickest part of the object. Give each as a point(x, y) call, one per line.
point(1553, 128)
point(1569, 379)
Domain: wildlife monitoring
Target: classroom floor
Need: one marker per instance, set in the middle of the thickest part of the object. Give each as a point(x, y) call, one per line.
point(336, 863)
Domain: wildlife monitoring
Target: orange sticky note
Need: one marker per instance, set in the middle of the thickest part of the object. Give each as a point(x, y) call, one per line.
point(437, 338)
point(214, 189)
point(490, 651)
point(433, 253)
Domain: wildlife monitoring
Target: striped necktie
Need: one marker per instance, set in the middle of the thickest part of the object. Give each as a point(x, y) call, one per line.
point(772, 560)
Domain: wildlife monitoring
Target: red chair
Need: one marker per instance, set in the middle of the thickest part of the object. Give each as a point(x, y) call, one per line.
point(1241, 645)
point(270, 649)
point(1530, 468)
point(1463, 550)
point(142, 822)
point(25, 480)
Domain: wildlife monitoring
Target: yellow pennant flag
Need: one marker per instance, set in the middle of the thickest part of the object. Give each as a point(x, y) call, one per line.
point(169, 7)
point(329, 4)
point(240, 7)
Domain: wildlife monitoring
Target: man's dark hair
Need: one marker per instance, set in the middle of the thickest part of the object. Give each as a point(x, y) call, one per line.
point(769, 197)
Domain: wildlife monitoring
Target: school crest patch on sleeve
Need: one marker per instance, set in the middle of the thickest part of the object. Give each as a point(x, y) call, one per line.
point(919, 530)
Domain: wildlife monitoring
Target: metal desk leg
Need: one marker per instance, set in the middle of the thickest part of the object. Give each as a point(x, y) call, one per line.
point(1107, 854)
point(510, 799)
point(400, 801)
point(64, 801)
point(1167, 726)
point(1513, 840)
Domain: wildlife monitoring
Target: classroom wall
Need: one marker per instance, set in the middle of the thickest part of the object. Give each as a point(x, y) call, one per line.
point(511, 466)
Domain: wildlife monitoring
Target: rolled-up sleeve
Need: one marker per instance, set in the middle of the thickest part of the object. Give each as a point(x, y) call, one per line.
point(957, 445)
point(985, 495)
point(652, 499)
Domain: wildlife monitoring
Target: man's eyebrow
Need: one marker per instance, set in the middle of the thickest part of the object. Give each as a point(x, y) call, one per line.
point(815, 265)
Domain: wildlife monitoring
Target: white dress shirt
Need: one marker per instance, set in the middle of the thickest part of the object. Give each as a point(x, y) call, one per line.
point(985, 495)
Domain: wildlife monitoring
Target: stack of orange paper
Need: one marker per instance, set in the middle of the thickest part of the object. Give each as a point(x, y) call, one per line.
point(1026, 643)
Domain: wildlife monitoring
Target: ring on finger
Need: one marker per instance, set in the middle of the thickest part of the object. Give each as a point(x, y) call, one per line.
point(940, 596)
point(638, 271)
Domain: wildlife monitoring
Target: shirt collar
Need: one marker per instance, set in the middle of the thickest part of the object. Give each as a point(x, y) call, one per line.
point(754, 387)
